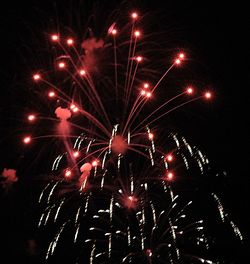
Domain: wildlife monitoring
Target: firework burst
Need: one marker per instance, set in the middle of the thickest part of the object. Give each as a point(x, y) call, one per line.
point(111, 195)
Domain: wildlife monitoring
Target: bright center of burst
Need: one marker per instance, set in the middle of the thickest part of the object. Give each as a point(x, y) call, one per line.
point(119, 145)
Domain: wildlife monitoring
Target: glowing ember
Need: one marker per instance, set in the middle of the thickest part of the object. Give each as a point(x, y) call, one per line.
point(82, 72)
point(169, 158)
point(170, 176)
point(190, 90)
point(137, 33)
point(36, 77)
point(31, 117)
point(68, 173)
point(76, 154)
point(181, 56)
point(139, 58)
point(55, 37)
point(134, 15)
point(114, 32)
point(95, 163)
point(61, 65)
point(70, 41)
point(51, 94)
point(208, 95)
point(150, 136)
point(130, 202)
point(177, 61)
point(27, 140)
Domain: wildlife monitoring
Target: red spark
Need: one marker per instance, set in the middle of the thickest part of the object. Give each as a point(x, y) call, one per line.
point(150, 136)
point(181, 56)
point(61, 65)
point(95, 163)
point(137, 33)
point(114, 32)
point(130, 201)
point(139, 58)
point(31, 117)
point(208, 95)
point(51, 94)
point(74, 108)
point(146, 85)
point(82, 72)
point(189, 90)
point(70, 41)
point(67, 173)
point(36, 77)
point(76, 154)
point(54, 37)
point(27, 140)
point(134, 15)
point(170, 176)
point(177, 61)
point(131, 198)
point(169, 157)
point(148, 94)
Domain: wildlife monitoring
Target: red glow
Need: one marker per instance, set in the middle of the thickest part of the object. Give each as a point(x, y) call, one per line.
point(169, 157)
point(146, 85)
point(95, 163)
point(70, 41)
point(149, 252)
point(75, 109)
point(119, 145)
point(134, 15)
point(82, 72)
point(131, 198)
point(61, 65)
point(31, 117)
point(114, 32)
point(182, 56)
point(190, 90)
point(177, 61)
point(54, 37)
point(137, 33)
point(148, 94)
point(130, 201)
point(143, 92)
point(170, 176)
point(27, 140)
point(208, 95)
point(76, 154)
point(67, 173)
point(51, 94)
point(150, 136)
point(139, 58)
point(36, 76)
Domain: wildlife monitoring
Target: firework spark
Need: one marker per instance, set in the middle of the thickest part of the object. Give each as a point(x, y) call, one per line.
point(113, 197)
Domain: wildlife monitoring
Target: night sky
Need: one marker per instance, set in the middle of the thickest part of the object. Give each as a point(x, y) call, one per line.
point(217, 38)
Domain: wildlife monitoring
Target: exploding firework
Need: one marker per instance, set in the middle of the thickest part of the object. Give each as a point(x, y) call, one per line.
point(111, 195)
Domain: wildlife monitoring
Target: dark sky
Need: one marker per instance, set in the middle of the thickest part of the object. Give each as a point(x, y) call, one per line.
point(217, 38)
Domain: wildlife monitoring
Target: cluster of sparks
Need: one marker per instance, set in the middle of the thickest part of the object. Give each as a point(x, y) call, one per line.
point(112, 195)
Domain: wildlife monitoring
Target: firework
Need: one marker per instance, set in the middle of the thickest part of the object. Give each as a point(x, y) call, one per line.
point(112, 195)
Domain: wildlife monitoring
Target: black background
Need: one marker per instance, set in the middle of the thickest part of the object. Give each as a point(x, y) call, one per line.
point(217, 36)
